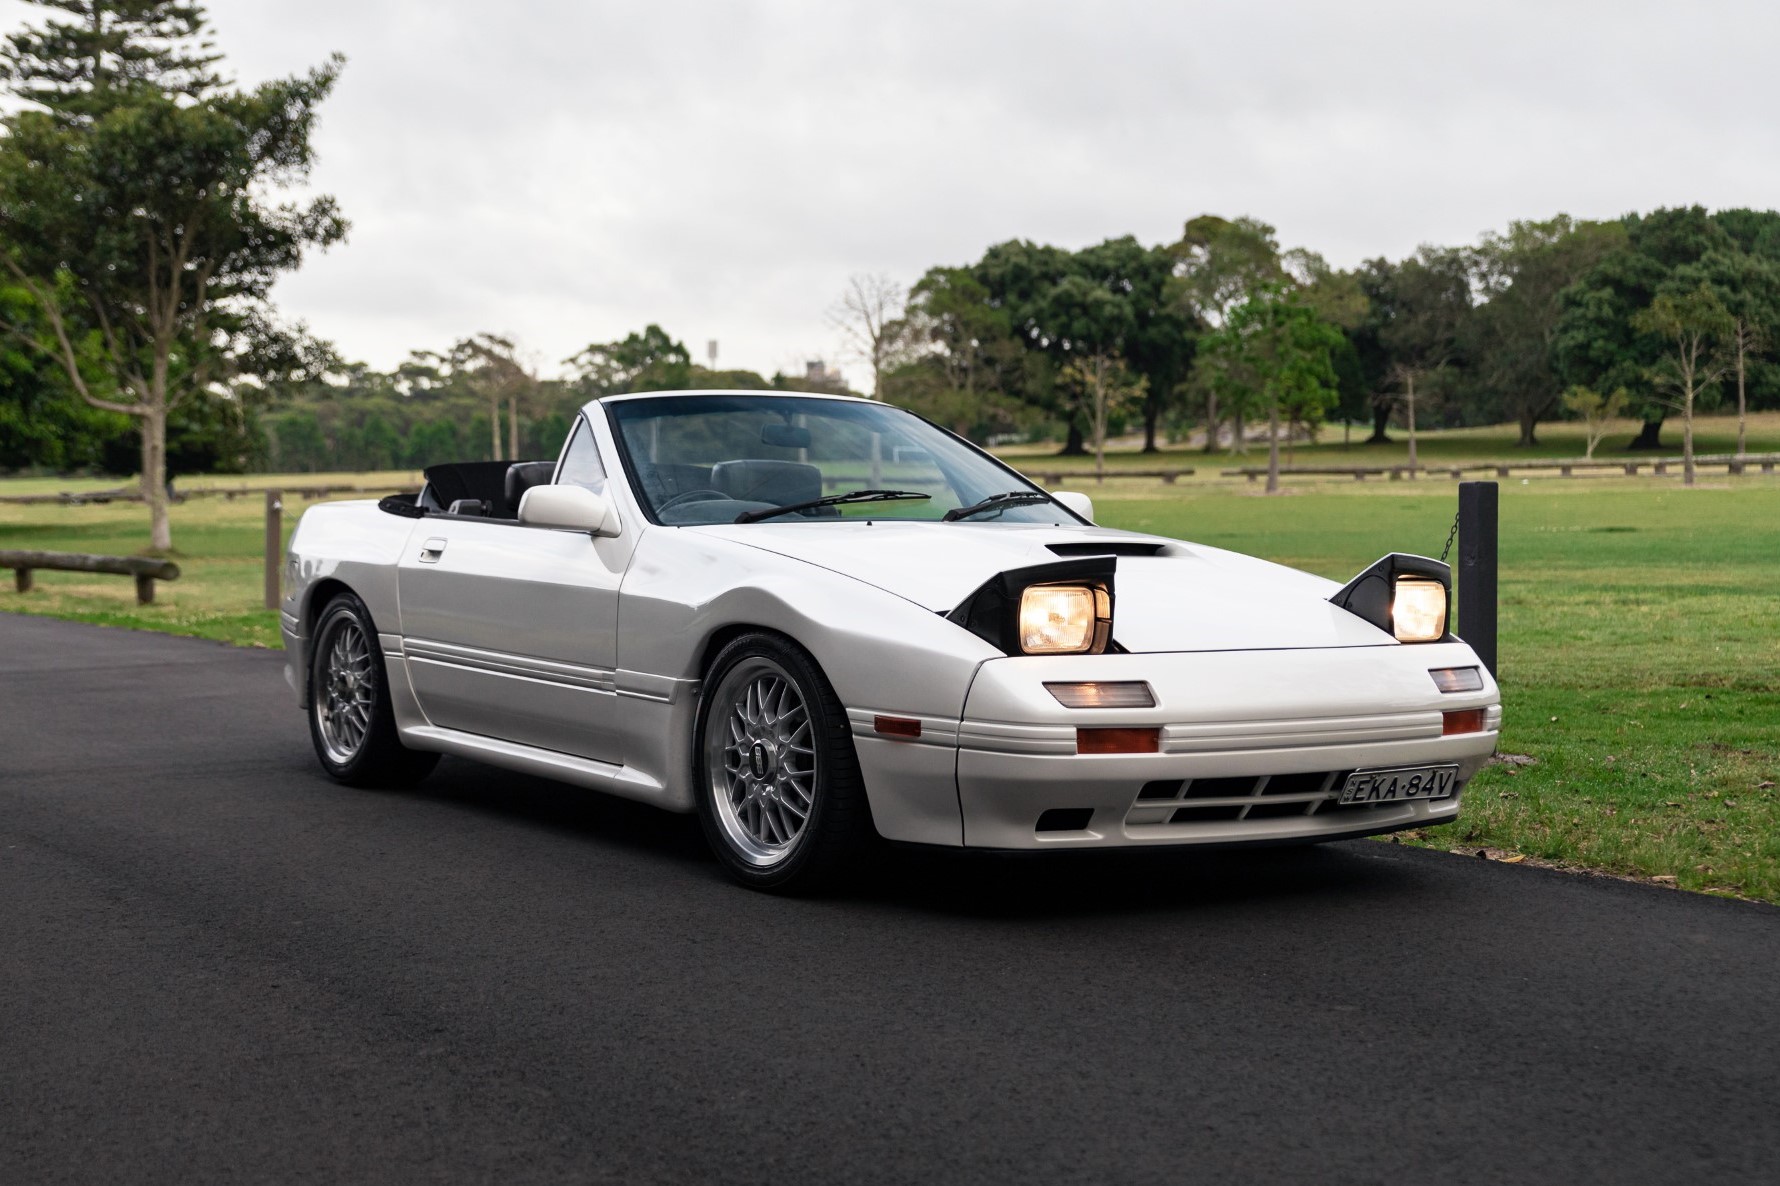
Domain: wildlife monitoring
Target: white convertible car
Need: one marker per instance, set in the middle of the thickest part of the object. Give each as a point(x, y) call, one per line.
point(817, 620)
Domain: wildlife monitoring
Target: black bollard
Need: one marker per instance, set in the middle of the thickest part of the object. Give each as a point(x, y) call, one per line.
point(1477, 569)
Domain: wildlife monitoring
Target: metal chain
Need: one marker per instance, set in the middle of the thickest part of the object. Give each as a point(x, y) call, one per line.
point(1450, 536)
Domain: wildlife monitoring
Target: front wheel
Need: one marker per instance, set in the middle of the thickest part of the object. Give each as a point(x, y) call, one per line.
point(780, 795)
point(351, 720)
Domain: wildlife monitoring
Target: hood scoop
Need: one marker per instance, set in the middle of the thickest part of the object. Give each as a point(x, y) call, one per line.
point(1110, 548)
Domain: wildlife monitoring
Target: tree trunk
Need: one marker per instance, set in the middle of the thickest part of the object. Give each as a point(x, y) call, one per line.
point(1411, 385)
point(1273, 448)
point(1211, 422)
point(1099, 420)
point(1072, 444)
point(1687, 434)
point(1742, 405)
point(1381, 420)
point(1529, 426)
point(1649, 436)
point(513, 427)
point(1152, 412)
point(154, 477)
point(1239, 440)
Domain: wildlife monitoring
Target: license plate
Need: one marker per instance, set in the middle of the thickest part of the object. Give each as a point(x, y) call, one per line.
point(1400, 786)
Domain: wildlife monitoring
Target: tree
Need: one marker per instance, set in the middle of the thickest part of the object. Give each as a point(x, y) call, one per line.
point(1747, 339)
point(1521, 276)
point(1693, 325)
point(491, 365)
point(1596, 411)
point(1595, 343)
point(1103, 385)
point(1275, 353)
point(647, 361)
point(1091, 322)
point(1220, 263)
point(1018, 280)
point(870, 319)
point(136, 210)
point(41, 424)
point(1749, 286)
point(82, 69)
point(1429, 296)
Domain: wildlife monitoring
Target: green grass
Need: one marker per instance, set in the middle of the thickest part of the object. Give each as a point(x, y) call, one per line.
point(1640, 647)
point(1640, 660)
point(1462, 446)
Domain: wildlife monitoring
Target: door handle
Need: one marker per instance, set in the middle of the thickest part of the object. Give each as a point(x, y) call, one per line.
point(431, 550)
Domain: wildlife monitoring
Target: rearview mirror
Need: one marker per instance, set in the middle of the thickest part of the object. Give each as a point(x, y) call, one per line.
point(575, 508)
point(785, 436)
point(1081, 504)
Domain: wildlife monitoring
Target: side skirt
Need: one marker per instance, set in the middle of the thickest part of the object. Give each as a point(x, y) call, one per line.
point(591, 773)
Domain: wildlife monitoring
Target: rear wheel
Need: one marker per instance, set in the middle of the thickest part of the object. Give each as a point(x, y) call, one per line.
point(780, 795)
point(351, 720)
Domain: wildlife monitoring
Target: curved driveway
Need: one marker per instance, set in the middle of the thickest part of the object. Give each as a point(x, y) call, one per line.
point(217, 966)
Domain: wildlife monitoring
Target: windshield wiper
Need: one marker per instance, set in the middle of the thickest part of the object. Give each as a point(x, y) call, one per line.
point(996, 502)
point(831, 500)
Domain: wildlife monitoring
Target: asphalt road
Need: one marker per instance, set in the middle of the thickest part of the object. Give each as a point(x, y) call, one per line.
point(218, 966)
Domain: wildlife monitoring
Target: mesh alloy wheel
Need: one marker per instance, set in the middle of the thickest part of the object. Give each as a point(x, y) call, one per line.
point(761, 759)
point(347, 693)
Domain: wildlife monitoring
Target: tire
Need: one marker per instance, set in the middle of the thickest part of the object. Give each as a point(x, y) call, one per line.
point(351, 721)
point(771, 740)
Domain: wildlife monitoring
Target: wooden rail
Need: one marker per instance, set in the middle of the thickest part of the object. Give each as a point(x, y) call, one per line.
point(1732, 463)
point(145, 569)
point(100, 497)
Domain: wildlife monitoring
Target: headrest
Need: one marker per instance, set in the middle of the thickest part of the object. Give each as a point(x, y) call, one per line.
point(775, 482)
point(522, 476)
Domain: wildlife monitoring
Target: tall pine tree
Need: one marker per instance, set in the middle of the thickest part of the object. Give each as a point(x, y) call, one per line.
point(135, 211)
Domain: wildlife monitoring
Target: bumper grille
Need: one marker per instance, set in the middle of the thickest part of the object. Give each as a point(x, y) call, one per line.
point(1215, 800)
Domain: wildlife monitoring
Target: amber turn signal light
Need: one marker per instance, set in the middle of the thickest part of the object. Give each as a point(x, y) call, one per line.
point(896, 726)
point(1461, 720)
point(1118, 741)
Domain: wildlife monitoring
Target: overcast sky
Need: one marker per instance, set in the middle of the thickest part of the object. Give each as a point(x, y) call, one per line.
point(567, 172)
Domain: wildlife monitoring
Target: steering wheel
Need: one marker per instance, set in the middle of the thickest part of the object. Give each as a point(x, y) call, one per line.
point(702, 495)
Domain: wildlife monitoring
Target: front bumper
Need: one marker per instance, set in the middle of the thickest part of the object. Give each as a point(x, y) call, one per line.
point(1255, 746)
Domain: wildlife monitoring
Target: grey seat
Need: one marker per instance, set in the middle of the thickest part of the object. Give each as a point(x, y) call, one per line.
point(777, 483)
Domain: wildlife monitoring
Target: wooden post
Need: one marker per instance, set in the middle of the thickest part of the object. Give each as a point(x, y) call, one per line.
point(274, 548)
point(21, 577)
point(1477, 569)
point(145, 589)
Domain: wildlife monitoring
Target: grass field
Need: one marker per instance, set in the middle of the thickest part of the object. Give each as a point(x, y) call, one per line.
point(1712, 434)
point(1640, 648)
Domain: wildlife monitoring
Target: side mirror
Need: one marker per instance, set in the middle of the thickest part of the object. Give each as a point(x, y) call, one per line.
point(573, 507)
point(1081, 504)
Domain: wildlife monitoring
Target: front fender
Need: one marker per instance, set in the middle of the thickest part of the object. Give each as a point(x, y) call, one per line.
point(883, 655)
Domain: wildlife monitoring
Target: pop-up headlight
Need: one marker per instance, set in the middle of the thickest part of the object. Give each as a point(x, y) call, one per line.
point(1407, 597)
point(1064, 608)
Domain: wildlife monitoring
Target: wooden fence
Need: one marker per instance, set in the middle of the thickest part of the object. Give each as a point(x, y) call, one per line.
point(145, 569)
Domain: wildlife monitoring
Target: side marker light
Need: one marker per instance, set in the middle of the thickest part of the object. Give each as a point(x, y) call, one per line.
point(1461, 720)
point(1118, 741)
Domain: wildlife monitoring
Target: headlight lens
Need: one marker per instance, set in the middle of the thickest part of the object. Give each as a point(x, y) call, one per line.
point(1058, 619)
point(1418, 610)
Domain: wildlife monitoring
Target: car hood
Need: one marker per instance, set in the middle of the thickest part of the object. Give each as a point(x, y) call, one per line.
point(1185, 597)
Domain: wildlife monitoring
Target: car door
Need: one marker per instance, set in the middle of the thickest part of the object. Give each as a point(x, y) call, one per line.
point(510, 631)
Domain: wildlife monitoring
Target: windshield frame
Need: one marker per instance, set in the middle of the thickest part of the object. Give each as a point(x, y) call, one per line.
point(646, 507)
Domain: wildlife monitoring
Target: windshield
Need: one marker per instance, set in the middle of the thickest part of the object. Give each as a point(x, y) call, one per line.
point(710, 458)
